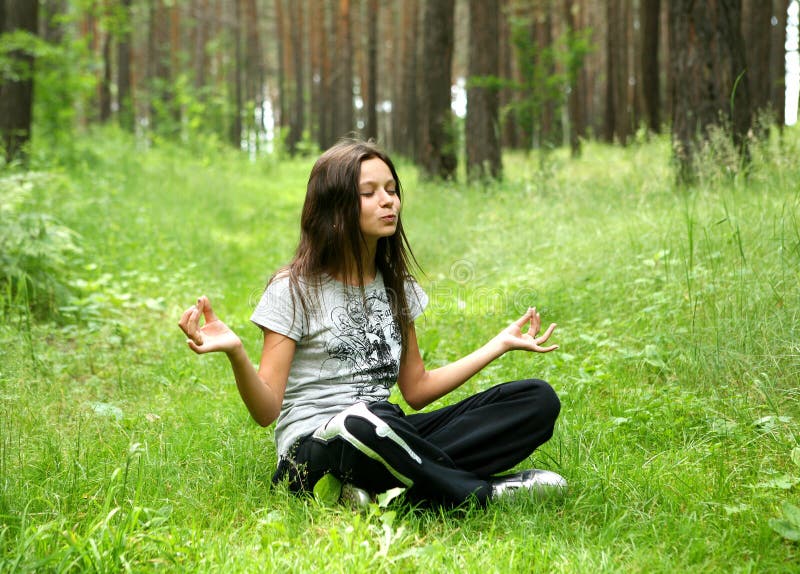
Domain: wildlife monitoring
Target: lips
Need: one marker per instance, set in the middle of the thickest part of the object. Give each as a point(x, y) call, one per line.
point(389, 218)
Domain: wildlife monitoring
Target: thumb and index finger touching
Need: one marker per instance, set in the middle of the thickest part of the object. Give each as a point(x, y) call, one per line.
point(190, 321)
point(204, 305)
point(532, 318)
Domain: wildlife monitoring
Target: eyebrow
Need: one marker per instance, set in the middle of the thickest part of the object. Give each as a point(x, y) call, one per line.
point(375, 182)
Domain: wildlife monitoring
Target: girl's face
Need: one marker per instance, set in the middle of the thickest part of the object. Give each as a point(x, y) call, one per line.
point(380, 204)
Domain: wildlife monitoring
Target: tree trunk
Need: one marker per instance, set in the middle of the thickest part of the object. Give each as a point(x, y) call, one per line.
point(280, 25)
point(297, 122)
point(16, 96)
point(200, 38)
point(482, 125)
point(404, 104)
point(371, 94)
point(708, 57)
point(158, 59)
point(438, 142)
point(343, 73)
point(253, 73)
point(623, 96)
point(574, 110)
point(543, 38)
point(235, 126)
point(506, 96)
point(777, 61)
point(124, 93)
point(53, 29)
point(612, 38)
point(104, 89)
point(316, 38)
point(651, 89)
point(618, 124)
point(756, 30)
point(327, 84)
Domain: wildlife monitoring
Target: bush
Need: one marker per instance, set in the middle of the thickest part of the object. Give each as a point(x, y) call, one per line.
point(35, 250)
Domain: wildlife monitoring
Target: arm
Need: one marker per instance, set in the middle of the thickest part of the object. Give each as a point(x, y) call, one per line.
point(262, 391)
point(420, 387)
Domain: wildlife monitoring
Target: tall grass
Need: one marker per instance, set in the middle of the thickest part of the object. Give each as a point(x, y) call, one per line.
point(678, 367)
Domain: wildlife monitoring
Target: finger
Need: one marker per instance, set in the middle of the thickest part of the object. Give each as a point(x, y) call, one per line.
point(536, 323)
point(208, 312)
point(546, 334)
point(184, 320)
point(195, 347)
point(524, 319)
point(539, 349)
point(193, 325)
point(188, 322)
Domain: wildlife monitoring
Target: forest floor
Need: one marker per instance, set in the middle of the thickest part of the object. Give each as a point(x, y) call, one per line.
point(678, 368)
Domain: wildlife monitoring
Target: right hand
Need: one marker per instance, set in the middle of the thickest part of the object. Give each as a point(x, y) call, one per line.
point(214, 335)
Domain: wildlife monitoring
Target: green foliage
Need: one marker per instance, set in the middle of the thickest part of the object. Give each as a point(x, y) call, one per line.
point(677, 368)
point(16, 43)
point(36, 251)
point(548, 73)
point(789, 525)
point(327, 490)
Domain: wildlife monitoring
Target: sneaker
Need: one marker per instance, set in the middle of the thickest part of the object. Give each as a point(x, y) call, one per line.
point(355, 497)
point(541, 483)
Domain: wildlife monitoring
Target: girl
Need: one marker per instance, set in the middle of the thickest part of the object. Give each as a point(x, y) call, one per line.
point(338, 325)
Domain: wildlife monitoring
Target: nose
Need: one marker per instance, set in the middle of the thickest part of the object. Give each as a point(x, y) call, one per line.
point(387, 198)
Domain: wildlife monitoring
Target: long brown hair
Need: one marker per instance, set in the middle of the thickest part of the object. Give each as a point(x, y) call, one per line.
point(330, 230)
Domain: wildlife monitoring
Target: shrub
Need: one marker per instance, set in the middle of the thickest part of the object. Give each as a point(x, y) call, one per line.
point(35, 250)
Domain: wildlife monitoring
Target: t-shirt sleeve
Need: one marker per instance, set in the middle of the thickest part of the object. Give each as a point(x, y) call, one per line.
point(416, 299)
point(277, 311)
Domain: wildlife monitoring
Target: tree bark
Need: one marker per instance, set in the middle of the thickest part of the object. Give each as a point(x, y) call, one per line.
point(756, 30)
point(53, 29)
point(124, 92)
point(651, 89)
point(438, 142)
point(543, 38)
point(708, 58)
point(316, 38)
point(404, 104)
point(158, 60)
point(509, 137)
point(327, 84)
point(482, 125)
point(253, 72)
point(297, 122)
point(16, 95)
point(280, 25)
point(574, 109)
point(343, 72)
point(612, 37)
point(777, 60)
point(200, 38)
point(371, 95)
point(235, 126)
point(104, 89)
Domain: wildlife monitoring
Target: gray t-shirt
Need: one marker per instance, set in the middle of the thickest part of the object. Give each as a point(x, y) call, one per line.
point(347, 350)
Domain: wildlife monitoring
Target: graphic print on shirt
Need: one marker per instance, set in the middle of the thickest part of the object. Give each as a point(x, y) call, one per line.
point(360, 344)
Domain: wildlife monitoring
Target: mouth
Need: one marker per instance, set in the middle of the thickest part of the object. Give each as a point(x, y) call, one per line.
point(389, 218)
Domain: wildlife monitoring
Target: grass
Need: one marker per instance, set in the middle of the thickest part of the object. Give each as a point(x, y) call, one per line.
point(678, 368)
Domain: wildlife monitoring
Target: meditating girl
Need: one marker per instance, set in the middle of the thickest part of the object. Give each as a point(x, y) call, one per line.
point(339, 333)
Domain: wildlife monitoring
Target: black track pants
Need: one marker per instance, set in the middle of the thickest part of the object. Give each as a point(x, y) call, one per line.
point(445, 456)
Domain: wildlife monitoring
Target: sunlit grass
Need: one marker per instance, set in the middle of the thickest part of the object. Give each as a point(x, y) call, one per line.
point(678, 368)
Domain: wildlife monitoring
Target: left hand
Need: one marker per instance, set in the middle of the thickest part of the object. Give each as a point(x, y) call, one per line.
point(512, 338)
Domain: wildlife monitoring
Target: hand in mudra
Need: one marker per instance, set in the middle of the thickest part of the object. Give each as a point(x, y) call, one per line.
point(214, 335)
point(513, 337)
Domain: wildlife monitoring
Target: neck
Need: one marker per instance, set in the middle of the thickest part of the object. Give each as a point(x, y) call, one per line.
point(368, 267)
